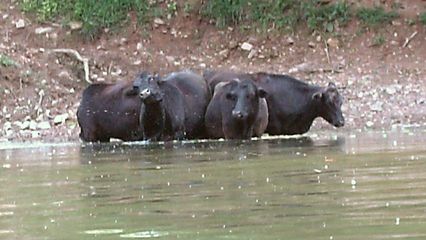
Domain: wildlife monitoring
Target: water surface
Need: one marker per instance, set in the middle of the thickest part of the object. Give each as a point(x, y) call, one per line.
point(323, 186)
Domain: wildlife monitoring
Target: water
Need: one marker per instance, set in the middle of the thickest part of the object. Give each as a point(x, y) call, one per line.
point(326, 186)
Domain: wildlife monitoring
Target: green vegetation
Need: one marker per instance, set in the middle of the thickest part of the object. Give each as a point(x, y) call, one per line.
point(324, 17)
point(423, 18)
point(94, 15)
point(6, 61)
point(97, 15)
point(373, 17)
point(378, 40)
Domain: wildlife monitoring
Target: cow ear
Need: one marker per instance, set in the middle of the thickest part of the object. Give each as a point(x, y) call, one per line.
point(131, 91)
point(317, 96)
point(262, 93)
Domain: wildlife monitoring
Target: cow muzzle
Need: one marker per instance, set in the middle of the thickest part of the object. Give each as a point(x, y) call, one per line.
point(238, 115)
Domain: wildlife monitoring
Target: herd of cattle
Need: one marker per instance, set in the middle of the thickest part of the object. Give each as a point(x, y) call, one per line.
point(185, 105)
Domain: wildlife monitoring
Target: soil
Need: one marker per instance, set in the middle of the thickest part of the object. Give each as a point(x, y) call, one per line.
point(384, 86)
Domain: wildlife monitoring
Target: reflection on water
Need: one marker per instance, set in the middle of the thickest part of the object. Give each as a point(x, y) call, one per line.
point(347, 186)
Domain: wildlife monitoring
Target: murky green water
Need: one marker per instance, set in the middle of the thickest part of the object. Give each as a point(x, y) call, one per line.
point(349, 186)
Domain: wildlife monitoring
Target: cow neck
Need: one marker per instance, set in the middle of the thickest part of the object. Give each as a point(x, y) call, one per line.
point(153, 118)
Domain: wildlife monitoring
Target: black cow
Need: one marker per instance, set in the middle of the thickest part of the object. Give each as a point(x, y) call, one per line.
point(109, 111)
point(237, 110)
point(173, 107)
point(292, 104)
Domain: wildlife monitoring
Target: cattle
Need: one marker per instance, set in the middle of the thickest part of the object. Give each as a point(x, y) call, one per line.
point(109, 111)
point(172, 107)
point(293, 105)
point(237, 110)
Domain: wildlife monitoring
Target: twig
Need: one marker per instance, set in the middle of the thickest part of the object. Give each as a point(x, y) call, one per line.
point(77, 55)
point(407, 40)
point(327, 52)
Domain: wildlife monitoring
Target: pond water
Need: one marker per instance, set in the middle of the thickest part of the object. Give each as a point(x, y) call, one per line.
point(324, 186)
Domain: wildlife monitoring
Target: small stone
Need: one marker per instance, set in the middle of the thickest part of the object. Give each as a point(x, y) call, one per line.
point(224, 54)
point(369, 124)
point(390, 90)
point(139, 46)
point(123, 41)
point(43, 30)
point(233, 44)
point(60, 119)
point(32, 125)
point(303, 67)
point(333, 42)
point(24, 125)
point(7, 126)
point(311, 44)
point(159, 21)
point(64, 75)
point(290, 40)
point(43, 125)
point(170, 59)
point(137, 62)
point(377, 107)
point(252, 53)
point(75, 25)
point(246, 46)
point(20, 24)
point(35, 134)
point(319, 38)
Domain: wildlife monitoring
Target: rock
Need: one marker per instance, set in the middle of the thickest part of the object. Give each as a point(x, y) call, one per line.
point(333, 42)
point(290, 40)
point(75, 25)
point(224, 54)
point(391, 90)
point(311, 44)
point(7, 126)
point(60, 119)
point(252, 53)
point(123, 41)
point(43, 30)
point(369, 124)
point(43, 125)
point(233, 44)
point(377, 107)
point(170, 59)
point(32, 125)
point(20, 24)
point(139, 46)
point(64, 75)
point(24, 125)
point(35, 134)
point(246, 46)
point(159, 21)
point(303, 67)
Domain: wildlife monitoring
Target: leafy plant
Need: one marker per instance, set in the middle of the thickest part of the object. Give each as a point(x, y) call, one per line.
point(375, 16)
point(423, 18)
point(280, 13)
point(325, 17)
point(378, 40)
point(225, 12)
point(6, 61)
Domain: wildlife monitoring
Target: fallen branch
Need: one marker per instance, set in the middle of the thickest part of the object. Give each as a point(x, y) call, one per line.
point(77, 55)
point(407, 40)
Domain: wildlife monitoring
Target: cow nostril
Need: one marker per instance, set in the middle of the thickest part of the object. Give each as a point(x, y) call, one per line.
point(237, 114)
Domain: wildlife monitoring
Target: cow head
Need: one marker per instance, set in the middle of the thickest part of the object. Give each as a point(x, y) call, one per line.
point(330, 102)
point(244, 96)
point(149, 87)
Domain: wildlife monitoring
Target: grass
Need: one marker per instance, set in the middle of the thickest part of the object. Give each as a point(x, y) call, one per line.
point(378, 40)
point(6, 61)
point(373, 17)
point(326, 17)
point(96, 15)
point(423, 18)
